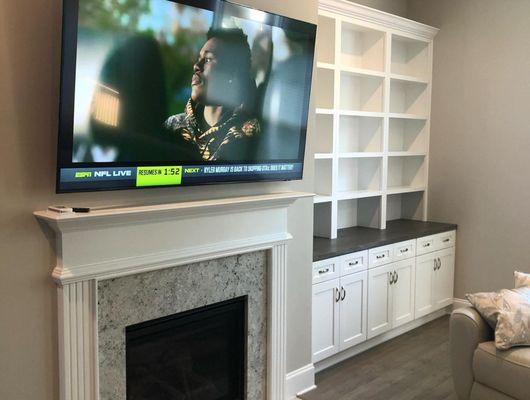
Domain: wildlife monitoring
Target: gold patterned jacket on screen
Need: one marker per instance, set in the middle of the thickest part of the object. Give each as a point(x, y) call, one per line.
point(232, 139)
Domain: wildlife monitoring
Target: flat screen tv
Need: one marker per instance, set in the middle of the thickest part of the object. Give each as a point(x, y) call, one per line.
point(173, 93)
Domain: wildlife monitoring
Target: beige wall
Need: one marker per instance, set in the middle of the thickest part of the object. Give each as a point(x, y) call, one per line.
point(29, 83)
point(396, 7)
point(480, 139)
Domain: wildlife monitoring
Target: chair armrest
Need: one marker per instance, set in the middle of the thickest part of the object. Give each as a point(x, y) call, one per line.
point(467, 329)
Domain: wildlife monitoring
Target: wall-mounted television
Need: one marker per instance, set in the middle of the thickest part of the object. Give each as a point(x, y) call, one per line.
point(172, 93)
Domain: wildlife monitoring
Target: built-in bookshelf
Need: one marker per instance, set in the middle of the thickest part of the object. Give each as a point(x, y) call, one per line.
point(372, 94)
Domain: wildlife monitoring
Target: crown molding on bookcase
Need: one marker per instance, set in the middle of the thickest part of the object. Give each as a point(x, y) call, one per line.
point(400, 24)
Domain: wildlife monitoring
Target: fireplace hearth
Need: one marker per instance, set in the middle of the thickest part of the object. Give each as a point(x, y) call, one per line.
point(194, 355)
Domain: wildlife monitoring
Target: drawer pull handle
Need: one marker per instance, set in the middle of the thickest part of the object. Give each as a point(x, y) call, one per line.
point(426, 244)
point(380, 256)
point(343, 293)
point(447, 240)
point(337, 294)
point(404, 251)
point(323, 271)
point(354, 263)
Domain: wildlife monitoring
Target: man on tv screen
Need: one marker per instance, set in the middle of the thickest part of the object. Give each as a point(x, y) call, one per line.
point(220, 117)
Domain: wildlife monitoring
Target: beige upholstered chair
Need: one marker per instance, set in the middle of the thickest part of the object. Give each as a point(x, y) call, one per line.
point(480, 371)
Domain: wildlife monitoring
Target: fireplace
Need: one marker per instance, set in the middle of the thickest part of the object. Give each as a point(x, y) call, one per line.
point(194, 355)
point(120, 267)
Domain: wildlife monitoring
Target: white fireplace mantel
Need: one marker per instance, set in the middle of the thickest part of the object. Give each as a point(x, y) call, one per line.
point(115, 242)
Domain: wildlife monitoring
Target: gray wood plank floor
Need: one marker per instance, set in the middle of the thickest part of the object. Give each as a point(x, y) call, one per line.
point(414, 366)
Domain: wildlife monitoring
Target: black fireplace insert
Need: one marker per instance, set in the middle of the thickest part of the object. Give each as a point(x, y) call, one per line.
point(193, 355)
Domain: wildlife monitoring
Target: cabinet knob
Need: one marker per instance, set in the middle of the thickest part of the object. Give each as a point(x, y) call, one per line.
point(337, 295)
point(397, 277)
point(343, 293)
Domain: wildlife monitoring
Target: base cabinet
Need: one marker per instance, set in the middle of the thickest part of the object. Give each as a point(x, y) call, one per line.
point(434, 281)
point(365, 294)
point(403, 292)
point(339, 314)
point(352, 315)
point(379, 300)
point(390, 296)
point(325, 319)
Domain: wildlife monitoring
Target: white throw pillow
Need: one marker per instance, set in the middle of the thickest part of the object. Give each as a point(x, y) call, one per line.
point(521, 279)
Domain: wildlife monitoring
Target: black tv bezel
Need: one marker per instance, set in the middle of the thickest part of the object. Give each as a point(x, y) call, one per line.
point(67, 100)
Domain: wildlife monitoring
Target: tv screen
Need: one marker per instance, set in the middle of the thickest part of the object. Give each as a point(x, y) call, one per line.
point(169, 93)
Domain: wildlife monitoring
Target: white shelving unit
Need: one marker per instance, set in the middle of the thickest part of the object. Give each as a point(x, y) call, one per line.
point(373, 94)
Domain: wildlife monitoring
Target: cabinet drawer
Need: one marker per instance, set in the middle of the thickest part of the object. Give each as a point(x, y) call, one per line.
point(425, 245)
point(355, 262)
point(404, 250)
point(445, 240)
point(380, 255)
point(436, 242)
point(325, 270)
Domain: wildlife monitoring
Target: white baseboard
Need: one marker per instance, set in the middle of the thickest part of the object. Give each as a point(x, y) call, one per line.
point(459, 303)
point(337, 358)
point(300, 381)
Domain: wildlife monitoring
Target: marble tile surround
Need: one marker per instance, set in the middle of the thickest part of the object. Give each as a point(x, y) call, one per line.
point(137, 298)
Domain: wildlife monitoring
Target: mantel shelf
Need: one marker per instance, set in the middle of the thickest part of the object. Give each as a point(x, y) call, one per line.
point(110, 216)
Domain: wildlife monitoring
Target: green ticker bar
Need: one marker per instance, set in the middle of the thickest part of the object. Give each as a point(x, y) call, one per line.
point(158, 176)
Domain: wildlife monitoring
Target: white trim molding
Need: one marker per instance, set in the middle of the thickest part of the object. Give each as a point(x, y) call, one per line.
point(300, 381)
point(381, 18)
point(116, 242)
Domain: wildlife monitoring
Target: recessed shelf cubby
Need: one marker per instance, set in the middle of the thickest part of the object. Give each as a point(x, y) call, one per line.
point(362, 47)
point(322, 219)
point(325, 45)
point(323, 136)
point(358, 175)
point(405, 206)
point(360, 134)
point(361, 92)
point(407, 135)
point(323, 177)
point(408, 97)
point(324, 93)
point(409, 57)
point(406, 172)
point(359, 212)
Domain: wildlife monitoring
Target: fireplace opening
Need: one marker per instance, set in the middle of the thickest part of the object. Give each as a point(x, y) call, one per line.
point(193, 355)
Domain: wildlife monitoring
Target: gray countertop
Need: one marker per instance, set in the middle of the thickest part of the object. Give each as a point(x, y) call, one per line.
point(350, 240)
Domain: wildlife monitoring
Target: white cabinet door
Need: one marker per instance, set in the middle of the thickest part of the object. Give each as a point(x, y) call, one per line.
point(403, 292)
point(444, 278)
point(353, 309)
point(325, 336)
point(425, 271)
point(379, 300)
